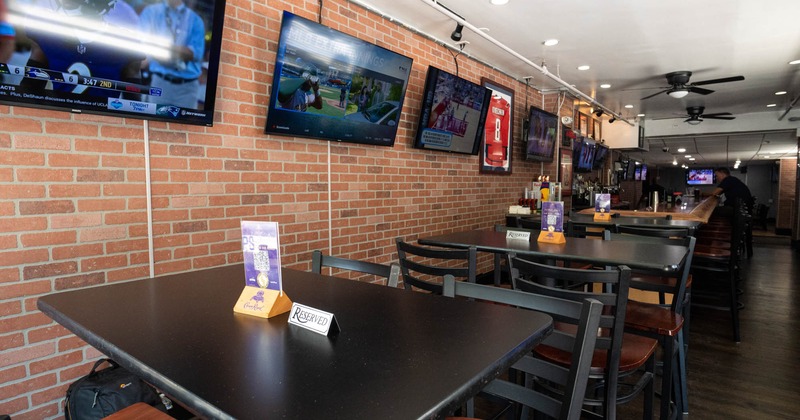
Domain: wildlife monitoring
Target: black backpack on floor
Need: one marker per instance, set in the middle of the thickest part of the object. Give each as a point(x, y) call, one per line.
point(104, 392)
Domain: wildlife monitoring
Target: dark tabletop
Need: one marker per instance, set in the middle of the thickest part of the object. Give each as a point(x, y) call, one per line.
point(650, 256)
point(400, 354)
point(636, 221)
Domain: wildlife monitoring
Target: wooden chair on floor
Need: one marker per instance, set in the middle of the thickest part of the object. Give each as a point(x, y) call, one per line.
point(631, 358)
point(391, 273)
point(570, 380)
point(424, 268)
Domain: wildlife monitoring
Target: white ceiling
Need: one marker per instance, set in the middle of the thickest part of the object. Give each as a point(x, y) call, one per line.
point(632, 44)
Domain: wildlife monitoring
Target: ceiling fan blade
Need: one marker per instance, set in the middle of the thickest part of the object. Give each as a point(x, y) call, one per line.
point(701, 91)
point(712, 117)
point(655, 94)
point(716, 114)
point(722, 80)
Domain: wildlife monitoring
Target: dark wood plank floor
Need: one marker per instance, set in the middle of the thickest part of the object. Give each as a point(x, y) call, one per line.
point(758, 378)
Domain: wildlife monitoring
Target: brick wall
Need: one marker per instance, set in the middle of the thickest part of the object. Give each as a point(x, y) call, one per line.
point(73, 192)
point(787, 202)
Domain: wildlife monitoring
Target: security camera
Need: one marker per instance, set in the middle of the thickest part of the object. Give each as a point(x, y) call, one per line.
point(665, 149)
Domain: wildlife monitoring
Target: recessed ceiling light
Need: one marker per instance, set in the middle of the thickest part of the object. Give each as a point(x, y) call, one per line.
point(640, 115)
point(605, 86)
point(771, 105)
point(675, 161)
point(584, 67)
point(692, 159)
point(793, 62)
point(687, 156)
point(499, 2)
point(550, 42)
point(681, 150)
point(766, 156)
point(629, 106)
point(782, 92)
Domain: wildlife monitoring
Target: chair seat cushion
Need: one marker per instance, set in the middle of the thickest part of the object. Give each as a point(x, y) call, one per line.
point(652, 318)
point(635, 352)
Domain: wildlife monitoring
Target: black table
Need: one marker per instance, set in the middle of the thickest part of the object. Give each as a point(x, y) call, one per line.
point(649, 256)
point(399, 355)
point(635, 221)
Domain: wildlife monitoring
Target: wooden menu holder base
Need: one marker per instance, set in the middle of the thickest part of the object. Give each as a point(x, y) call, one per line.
point(602, 217)
point(263, 303)
point(552, 237)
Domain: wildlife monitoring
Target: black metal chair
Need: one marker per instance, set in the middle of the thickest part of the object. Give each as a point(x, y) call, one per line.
point(631, 358)
point(422, 266)
point(391, 273)
point(667, 322)
point(571, 381)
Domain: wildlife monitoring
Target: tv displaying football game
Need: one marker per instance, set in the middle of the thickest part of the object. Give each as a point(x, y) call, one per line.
point(700, 176)
point(541, 141)
point(330, 85)
point(123, 58)
point(453, 114)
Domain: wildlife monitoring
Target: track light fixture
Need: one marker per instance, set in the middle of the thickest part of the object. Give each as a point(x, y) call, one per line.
point(599, 112)
point(611, 120)
point(456, 35)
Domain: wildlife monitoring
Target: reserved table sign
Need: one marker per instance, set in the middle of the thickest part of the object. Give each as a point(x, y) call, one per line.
point(313, 319)
point(517, 234)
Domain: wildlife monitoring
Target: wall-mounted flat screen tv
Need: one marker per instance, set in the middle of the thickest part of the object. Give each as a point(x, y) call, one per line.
point(600, 153)
point(638, 174)
point(453, 114)
point(330, 85)
point(115, 57)
point(585, 160)
point(700, 176)
point(541, 141)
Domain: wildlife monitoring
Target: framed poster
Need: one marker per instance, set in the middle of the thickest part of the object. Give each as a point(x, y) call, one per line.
point(497, 145)
point(583, 124)
point(597, 130)
point(565, 172)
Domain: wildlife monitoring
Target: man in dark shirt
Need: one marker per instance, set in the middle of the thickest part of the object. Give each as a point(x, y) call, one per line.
point(733, 188)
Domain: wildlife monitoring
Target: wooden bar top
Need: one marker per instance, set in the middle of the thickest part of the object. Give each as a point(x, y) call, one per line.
point(699, 212)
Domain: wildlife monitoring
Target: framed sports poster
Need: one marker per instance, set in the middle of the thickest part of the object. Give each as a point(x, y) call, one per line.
point(497, 145)
point(565, 172)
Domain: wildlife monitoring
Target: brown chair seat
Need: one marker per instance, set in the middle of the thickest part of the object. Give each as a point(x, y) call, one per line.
point(657, 282)
point(709, 252)
point(636, 350)
point(139, 411)
point(652, 318)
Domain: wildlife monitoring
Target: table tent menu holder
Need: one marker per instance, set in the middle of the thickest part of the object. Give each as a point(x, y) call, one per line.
point(552, 223)
point(602, 208)
point(263, 294)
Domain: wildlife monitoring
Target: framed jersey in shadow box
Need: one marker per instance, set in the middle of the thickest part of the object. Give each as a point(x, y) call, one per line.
point(496, 145)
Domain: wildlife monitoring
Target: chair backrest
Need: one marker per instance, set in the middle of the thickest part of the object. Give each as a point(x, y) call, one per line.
point(655, 232)
point(390, 272)
point(611, 288)
point(528, 223)
point(580, 343)
point(678, 289)
point(417, 262)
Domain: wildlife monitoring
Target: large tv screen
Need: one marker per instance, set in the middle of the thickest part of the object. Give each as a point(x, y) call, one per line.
point(700, 176)
point(123, 58)
point(541, 141)
point(453, 114)
point(585, 160)
point(600, 154)
point(330, 85)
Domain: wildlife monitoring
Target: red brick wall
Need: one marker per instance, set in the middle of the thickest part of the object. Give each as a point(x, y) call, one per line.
point(787, 202)
point(73, 192)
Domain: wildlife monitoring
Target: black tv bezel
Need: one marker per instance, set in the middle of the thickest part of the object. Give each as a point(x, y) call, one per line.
point(540, 157)
point(425, 112)
point(713, 176)
point(598, 162)
point(203, 117)
point(327, 126)
point(586, 142)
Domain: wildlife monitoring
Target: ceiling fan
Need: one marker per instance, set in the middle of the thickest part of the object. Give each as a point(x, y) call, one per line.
point(679, 85)
point(696, 116)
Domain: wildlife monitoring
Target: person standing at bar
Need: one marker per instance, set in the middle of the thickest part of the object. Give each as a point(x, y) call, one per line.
point(733, 188)
point(177, 77)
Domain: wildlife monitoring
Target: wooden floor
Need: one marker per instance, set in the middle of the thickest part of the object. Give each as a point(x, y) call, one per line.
point(758, 378)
